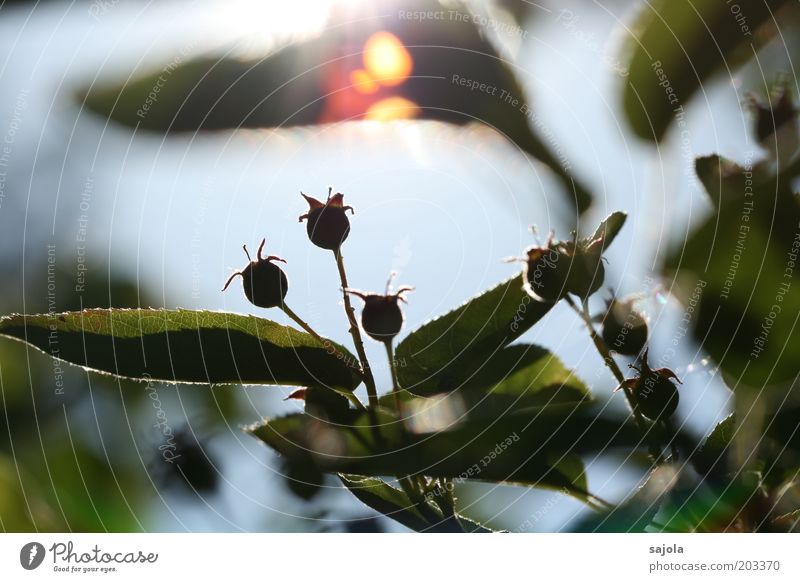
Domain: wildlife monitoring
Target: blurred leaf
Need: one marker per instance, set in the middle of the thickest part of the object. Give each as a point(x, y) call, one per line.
point(433, 357)
point(738, 269)
point(540, 450)
point(777, 451)
point(521, 375)
point(327, 79)
point(386, 500)
point(722, 435)
point(303, 479)
point(202, 347)
point(790, 522)
point(735, 505)
point(609, 228)
point(185, 461)
point(676, 45)
point(92, 491)
point(722, 179)
point(632, 516)
point(22, 507)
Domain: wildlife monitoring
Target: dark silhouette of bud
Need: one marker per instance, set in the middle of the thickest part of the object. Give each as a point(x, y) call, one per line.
point(328, 225)
point(655, 394)
point(382, 317)
point(265, 284)
point(562, 267)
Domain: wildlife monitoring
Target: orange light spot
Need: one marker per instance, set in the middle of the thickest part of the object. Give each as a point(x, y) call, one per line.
point(363, 82)
point(386, 59)
point(392, 108)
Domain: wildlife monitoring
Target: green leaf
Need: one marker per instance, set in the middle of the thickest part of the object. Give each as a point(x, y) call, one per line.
point(433, 357)
point(609, 228)
point(777, 452)
point(521, 375)
point(790, 522)
point(738, 272)
point(676, 45)
point(540, 450)
point(722, 179)
point(457, 77)
point(722, 435)
point(394, 503)
point(448, 352)
point(386, 500)
point(632, 516)
point(712, 506)
point(184, 346)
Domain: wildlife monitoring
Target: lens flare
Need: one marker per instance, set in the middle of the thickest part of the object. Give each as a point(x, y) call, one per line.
point(392, 108)
point(363, 82)
point(386, 59)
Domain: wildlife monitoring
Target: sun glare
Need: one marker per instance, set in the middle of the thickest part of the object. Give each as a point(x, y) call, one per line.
point(392, 108)
point(386, 59)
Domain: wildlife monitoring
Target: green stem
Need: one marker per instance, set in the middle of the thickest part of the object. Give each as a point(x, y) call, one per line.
point(354, 399)
point(611, 364)
point(299, 321)
point(395, 383)
point(369, 380)
point(326, 343)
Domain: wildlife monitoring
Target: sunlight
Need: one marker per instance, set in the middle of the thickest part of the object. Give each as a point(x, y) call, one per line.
point(363, 82)
point(386, 59)
point(392, 108)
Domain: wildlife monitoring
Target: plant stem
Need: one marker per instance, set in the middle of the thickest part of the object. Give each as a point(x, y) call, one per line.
point(354, 399)
point(395, 383)
point(327, 343)
point(369, 380)
point(299, 321)
point(608, 359)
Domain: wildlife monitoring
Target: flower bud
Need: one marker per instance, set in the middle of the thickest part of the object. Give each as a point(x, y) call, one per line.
point(560, 267)
point(382, 317)
point(265, 284)
point(656, 396)
point(546, 270)
point(771, 117)
point(328, 225)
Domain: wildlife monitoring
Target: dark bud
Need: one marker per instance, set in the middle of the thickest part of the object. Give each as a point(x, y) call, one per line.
point(303, 477)
point(328, 225)
point(187, 462)
point(382, 317)
point(587, 272)
point(265, 284)
point(546, 270)
point(624, 328)
point(655, 394)
point(559, 267)
point(772, 117)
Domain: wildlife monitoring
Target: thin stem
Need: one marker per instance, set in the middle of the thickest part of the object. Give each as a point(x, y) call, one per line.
point(395, 383)
point(354, 399)
point(299, 321)
point(608, 359)
point(670, 434)
point(326, 343)
point(369, 380)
